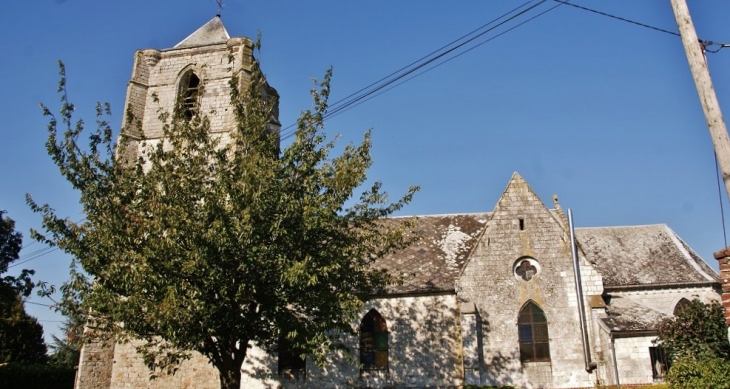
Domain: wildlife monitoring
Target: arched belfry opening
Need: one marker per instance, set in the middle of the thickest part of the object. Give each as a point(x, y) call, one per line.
point(373, 342)
point(189, 94)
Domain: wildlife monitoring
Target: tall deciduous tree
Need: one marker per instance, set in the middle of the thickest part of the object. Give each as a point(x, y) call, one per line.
point(21, 337)
point(11, 242)
point(210, 244)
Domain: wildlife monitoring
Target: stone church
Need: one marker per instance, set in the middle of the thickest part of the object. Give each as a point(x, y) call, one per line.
point(490, 299)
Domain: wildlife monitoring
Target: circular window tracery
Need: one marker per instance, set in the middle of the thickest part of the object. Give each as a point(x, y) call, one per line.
point(526, 268)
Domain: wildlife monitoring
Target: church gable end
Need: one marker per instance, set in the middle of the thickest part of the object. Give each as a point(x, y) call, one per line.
point(524, 256)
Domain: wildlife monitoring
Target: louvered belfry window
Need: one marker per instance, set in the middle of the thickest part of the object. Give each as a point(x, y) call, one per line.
point(532, 328)
point(189, 93)
point(373, 342)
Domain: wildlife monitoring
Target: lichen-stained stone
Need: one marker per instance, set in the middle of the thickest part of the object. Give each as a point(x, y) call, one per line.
point(455, 316)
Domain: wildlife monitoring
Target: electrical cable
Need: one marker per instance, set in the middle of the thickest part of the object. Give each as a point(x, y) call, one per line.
point(342, 105)
point(387, 83)
point(49, 250)
point(719, 194)
point(41, 304)
point(449, 59)
point(617, 17)
point(340, 101)
point(353, 102)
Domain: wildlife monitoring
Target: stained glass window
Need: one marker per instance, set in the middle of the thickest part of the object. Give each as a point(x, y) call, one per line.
point(373, 342)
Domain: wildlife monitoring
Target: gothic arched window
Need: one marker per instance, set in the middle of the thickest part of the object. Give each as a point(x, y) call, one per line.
point(681, 304)
point(189, 94)
point(291, 362)
point(373, 342)
point(532, 330)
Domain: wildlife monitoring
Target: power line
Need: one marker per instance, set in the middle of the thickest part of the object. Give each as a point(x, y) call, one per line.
point(449, 59)
point(38, 253)
point(41, 304)
point(705, 43)
point(566, 2)
point(429, 54)
point(348, 102)
point(45, 251)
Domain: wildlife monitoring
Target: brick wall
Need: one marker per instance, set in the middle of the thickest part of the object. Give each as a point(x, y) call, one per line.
point(723, 257)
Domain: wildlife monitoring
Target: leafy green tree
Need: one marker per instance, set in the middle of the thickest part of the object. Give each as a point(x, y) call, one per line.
point(11, 242)
point(208, 245)
point(697, 330)
point(21, 337)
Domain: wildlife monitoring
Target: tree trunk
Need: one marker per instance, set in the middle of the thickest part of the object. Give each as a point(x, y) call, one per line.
point(228, 362)
point(230, 378)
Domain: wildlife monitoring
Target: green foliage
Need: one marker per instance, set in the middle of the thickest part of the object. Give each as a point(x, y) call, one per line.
point(208, 245)
point(21, 336)
point(699, 373)
point(66, 351)
point(30, 376)
point(698, 330)
point(11, 242)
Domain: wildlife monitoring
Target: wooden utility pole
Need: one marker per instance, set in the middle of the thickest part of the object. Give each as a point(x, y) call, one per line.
point(697, 64)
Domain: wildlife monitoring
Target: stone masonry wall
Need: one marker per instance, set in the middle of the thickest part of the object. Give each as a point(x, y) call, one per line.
point(424, 351)
point(156, 78)
point(95, 366)
point(129, 371)
point(521, 226)
point(634, 362)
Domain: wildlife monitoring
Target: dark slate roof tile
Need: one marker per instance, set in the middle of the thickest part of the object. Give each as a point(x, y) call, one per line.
point(642, 255)
point(625, 256)
point(433, 263)
point(626, 314)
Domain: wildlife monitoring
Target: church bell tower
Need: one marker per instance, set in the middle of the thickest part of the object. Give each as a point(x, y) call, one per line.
point(198, 71)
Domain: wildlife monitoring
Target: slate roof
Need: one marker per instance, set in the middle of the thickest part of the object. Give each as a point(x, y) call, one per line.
point(626, 314)
point(210, 33)
point(433, 263)
point(642, 255)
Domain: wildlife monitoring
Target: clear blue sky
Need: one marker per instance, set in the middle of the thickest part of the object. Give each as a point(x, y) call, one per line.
point(601, 112)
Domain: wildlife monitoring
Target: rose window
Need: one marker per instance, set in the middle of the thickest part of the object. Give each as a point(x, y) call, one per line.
point(525, 270)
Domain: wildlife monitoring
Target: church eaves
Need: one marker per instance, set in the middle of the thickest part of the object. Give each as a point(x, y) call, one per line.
point(210, 33)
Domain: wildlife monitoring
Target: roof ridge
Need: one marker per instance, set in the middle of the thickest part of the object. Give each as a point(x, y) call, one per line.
point(626, 226)
point(443, 214)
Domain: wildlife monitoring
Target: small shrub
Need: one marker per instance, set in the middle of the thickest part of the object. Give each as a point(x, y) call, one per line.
point(699, 373)
point(26, 376)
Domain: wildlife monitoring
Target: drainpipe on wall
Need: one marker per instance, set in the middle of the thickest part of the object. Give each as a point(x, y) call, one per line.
point(615, 362)
point(589, 366)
